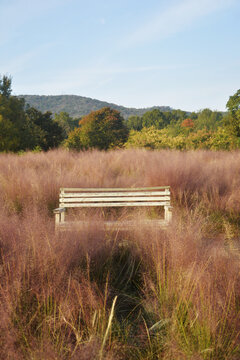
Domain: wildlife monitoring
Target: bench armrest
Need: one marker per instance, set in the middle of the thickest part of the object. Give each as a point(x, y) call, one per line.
point(59, 210)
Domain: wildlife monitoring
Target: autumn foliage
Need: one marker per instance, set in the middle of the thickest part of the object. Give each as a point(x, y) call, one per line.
point(101, 129)
point(187, 123)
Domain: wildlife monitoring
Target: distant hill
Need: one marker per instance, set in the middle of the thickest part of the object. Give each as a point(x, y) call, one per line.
point(77, 106)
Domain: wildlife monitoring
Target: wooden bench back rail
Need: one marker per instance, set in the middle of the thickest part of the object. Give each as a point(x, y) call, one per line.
point(113, 197)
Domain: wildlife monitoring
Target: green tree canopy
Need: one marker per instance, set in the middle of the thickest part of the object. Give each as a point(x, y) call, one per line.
point(208, 119)
point(158, 119)
point(66, 122)
point(155, 118)
point(5, 86)
point(233, 106)
point(50, 132)
point(73, 142)
point(13, 126)
point(134, 122)
point(24, 128)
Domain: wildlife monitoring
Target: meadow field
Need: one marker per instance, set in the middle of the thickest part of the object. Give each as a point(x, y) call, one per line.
point(146, 293)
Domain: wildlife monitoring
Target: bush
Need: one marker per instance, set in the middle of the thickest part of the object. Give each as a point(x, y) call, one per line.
point(151, 138)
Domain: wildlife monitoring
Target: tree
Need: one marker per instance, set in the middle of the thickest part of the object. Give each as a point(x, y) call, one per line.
point(5, 86)
point(13, 120)
point(187, 123)
point(134, 122)
point(178, 116)
point(24, 128)
point(73, 142)
point(155, 118)
point(208, 119)
point(9, 140)
point(233, 106)
point(102, 129)
point(50, 132)
point(66, 122)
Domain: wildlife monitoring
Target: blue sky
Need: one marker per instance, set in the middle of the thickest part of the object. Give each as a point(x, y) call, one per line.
point(180, 53)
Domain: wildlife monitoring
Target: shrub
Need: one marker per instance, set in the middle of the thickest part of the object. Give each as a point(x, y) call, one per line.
point(152, 138)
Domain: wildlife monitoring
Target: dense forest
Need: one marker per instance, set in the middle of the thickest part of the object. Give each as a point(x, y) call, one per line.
point(24, 127)
point(77, 106)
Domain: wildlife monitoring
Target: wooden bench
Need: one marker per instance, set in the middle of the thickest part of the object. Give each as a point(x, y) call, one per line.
point(114, 197)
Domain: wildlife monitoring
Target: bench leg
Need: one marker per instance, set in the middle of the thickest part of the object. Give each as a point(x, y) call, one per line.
point(168, 213)
point(59, 218)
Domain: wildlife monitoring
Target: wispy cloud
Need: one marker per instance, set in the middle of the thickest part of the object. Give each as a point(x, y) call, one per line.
point(93, 77)
point(175, 18)
point(118, 69)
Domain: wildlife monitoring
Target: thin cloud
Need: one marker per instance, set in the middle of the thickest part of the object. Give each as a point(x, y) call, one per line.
point(140, 69)
point(175, 19)
point(95, 69)
point(93, 77)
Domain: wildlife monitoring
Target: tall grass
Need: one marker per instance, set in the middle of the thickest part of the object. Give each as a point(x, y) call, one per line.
point(146, 293)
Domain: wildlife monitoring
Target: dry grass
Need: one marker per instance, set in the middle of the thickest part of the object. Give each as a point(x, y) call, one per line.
point(177, 291)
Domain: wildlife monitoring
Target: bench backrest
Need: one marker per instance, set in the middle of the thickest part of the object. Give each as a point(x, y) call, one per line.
point(115, 197)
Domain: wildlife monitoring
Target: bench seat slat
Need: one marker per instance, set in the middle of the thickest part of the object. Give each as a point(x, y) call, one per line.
point(114, 199)
point(116, 204)
point(114, 189)
point(111, 194)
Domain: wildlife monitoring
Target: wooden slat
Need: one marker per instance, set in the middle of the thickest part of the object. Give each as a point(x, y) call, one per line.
point(115, 204)
point(111, 194)
point(114, 189)
point(58, 210)
point(114, 224)
point(115, 199)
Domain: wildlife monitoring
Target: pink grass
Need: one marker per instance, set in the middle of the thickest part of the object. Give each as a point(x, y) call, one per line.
point(50, 281)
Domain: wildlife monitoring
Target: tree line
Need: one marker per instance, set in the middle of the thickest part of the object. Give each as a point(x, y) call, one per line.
point(24, 128)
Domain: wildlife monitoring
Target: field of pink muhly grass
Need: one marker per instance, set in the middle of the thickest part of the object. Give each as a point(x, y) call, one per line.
point(148, 293)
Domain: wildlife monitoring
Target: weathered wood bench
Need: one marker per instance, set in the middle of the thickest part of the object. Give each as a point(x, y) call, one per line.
point(114, 197)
